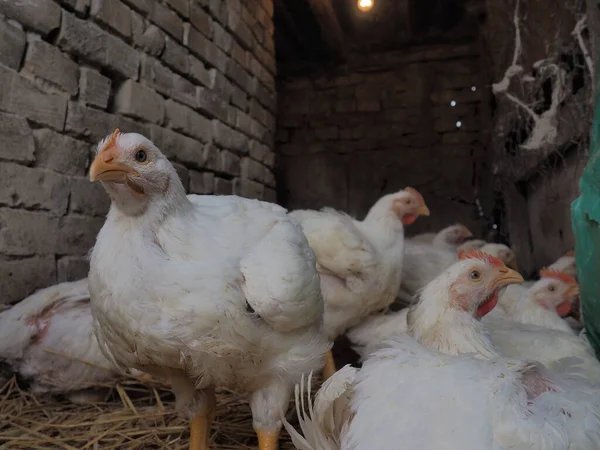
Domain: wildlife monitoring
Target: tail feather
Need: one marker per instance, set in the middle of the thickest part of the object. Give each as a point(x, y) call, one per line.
point(322, 422)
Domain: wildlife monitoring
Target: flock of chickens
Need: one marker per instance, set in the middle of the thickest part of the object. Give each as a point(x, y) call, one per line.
point(205, 291)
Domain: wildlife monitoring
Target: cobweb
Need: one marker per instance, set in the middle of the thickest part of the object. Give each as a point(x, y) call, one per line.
point(544, 106)
point(547, 84)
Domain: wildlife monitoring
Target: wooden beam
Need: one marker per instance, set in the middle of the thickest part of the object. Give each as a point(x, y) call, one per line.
point(330, 26)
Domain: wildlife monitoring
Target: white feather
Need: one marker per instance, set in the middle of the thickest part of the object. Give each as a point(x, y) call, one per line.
point(174, 279)
point(359, 262)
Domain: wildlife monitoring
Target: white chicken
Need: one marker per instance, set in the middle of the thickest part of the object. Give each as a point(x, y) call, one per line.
point(447, 388)
point(566, 264)
point(369, 335)
point(219, 291)
point(422, 263)
point(471, 244)
point(503, 252)
point(48, 339)
point(449, 238)
point(554, 348)
point(545, 303)
point(359, 262)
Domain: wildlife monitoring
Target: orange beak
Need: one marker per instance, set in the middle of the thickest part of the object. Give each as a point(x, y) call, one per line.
point(505, 277)
point(567, 306)
point(571, 293)
point(423, 210)
point(105, 168)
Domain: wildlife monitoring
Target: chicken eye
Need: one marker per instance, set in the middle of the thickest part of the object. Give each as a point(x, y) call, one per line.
point(141, 156)
point(551, 288)
point(407, 201)
point(475, 275)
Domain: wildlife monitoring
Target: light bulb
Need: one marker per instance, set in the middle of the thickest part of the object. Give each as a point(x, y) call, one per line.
point(365, 5)
point(452, 103)
point(458, 124)
point(473, 88)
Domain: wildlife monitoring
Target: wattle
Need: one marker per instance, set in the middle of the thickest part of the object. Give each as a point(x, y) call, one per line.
point(487, 305)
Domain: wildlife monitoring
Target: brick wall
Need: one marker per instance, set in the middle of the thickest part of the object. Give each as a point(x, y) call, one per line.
point(196, 76)
point(383, 122)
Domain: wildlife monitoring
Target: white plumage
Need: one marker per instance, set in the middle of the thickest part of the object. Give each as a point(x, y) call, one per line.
point(550, 347)
point(449, 238)
point(566, 264)
point(473, 244)
point(204, 291)
point(360, 262)
point(371, 333)
point(422, 263)
point(324, 421)
point(538, 304)
point(409, 394)
point(443, 385)
point(48, 339)
point(501, 251)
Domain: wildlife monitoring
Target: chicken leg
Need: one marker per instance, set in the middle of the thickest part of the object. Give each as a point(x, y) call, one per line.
point(200, 433)
point(199, 405)
point(201, 423)
point(267, 440)
point(329, 368)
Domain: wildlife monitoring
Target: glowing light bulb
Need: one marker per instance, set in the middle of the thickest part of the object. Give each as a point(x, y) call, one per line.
point(458, 124)
point(473, 88)
point(452, 103)
point(365, 5)
point(495, 227)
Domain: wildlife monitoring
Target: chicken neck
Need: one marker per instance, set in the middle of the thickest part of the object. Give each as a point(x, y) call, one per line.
point(439, 326)
point(151, 209)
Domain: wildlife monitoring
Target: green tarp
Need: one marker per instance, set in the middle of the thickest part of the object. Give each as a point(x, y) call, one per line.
point(585, 214)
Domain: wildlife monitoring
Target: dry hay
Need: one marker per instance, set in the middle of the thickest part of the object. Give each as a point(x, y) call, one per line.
point(133, 416)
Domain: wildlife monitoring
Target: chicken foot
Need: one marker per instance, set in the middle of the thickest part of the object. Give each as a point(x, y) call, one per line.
point(199, 405)
point(329, 368)
point(267, 405)
point(267, 440)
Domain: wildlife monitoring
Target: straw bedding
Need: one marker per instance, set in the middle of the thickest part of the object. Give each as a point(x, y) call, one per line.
point(132, 416)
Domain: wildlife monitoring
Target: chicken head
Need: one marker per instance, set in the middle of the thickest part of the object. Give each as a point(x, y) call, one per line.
point(556, 290)
point(446, 318)
point(132, 170)
point(409, 204)
point(477, 279)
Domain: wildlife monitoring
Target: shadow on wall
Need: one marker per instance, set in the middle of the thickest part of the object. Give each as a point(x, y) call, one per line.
point(397, 119)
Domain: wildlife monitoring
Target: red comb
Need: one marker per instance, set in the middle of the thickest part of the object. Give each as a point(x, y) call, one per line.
point(110, 142)
point(476, 254)
point(416, 193)
point(570, 253)
point(553, 273)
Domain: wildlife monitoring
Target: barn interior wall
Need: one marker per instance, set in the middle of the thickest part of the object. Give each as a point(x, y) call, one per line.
point(197, 77)
point(549, 209)
point(538, 184)
point(381, 122)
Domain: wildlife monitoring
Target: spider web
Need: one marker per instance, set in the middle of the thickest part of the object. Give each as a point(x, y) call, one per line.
point(542, 106)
